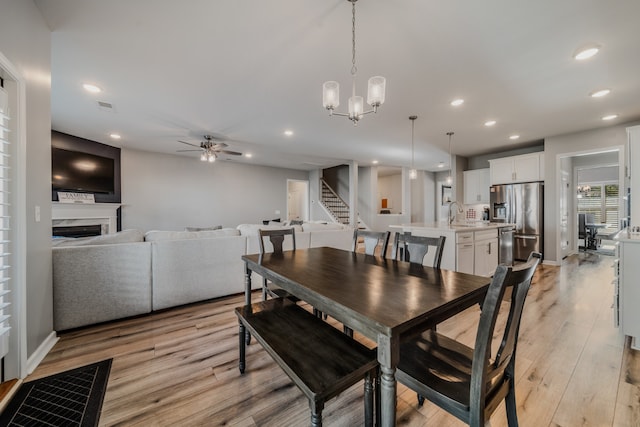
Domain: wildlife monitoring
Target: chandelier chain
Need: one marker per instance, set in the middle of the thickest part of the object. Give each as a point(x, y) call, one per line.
point(354, 69)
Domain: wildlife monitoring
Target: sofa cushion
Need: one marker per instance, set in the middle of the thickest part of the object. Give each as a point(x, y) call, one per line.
point(124, 236)
point(156, 235)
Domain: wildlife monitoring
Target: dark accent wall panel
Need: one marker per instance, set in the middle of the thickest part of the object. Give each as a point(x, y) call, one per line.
point(74, 143)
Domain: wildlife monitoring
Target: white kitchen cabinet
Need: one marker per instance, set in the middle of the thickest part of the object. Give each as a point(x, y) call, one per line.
point(523, 168)
point(628, 295)
point(476, 186)
point(464, 252)
point(485, 259)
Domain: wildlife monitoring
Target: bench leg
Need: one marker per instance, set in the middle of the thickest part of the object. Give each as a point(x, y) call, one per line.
point(368, 399)
point(316, 413)
point(241, 346)
point(347, 331)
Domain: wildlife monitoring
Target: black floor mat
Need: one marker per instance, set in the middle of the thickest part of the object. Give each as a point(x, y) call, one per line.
point(71, 398)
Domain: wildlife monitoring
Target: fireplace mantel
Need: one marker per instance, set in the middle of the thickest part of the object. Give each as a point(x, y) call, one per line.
point(105, 214)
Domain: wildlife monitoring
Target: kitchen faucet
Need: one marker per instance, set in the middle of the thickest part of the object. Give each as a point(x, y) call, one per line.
point(458, 210)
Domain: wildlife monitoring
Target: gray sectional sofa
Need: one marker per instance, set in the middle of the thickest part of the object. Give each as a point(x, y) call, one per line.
point(129, 273)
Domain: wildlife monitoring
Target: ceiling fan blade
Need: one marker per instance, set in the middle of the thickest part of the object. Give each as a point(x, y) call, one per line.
point(184, 151)
point(188, 143)
point(233, 153)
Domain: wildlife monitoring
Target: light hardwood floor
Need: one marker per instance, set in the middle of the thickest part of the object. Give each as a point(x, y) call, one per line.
point(179, 367)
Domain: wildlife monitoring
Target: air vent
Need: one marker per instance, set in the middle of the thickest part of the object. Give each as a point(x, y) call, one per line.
point(106, 106)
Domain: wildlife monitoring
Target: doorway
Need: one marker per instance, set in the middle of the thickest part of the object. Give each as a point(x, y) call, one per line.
point(297, 200)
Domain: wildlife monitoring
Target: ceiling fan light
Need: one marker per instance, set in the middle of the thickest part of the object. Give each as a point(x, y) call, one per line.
point(203, 156)
point(212, 158)
point(331, 95)
point(375, 92)
point(356, 108)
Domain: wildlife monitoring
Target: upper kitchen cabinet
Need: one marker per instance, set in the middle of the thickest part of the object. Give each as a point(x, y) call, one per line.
point(523, 168)
point(476, 186)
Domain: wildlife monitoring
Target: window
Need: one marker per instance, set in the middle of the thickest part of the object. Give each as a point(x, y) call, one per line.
point(5, 220)
point(601, 200)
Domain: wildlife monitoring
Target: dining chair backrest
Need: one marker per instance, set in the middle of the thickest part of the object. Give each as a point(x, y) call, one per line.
point(582, 227)
point(407, 247)
point(372, 240)
point(276, 237)
point(485, 376)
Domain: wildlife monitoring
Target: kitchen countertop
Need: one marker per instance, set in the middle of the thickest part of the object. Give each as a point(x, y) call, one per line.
point(627, 236)
point(455, 227)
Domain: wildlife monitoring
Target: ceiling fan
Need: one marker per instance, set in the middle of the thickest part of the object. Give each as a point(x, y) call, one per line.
point(210, 149)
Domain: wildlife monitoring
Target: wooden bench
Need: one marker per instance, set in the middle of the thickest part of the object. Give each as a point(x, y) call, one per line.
point(319, 359)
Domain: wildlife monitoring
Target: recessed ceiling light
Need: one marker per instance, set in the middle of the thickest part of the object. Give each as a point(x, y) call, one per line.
point(375, 162)
point(91, 88)
point(586, 52)
point(441, 164)
point(490, 123)
point(600, 93)
point(610, 117)
point(514, 137)
point(288, 132)
point(457, 102)
point(115, 136)
point(248, 155)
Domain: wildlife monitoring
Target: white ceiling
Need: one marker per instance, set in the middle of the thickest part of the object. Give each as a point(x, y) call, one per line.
point(248, 70)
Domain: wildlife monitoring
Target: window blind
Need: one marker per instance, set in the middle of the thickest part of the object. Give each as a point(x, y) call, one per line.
point(601, 201)
point(5, 221)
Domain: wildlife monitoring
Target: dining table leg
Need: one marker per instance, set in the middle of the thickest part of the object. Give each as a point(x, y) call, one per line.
point(388, 356)
point(247, 296)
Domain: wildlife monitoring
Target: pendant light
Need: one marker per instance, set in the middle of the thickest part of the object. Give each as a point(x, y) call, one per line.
point(413, 173)
point(375, 92)
point(450, 134)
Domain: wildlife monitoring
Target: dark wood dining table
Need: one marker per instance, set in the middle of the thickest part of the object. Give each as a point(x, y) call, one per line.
point(385, 300)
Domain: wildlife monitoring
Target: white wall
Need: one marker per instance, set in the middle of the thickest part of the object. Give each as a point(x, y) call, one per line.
point(25, 40)
point(170, 192)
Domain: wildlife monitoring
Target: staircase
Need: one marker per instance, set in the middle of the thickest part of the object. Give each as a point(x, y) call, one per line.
point(337, 207)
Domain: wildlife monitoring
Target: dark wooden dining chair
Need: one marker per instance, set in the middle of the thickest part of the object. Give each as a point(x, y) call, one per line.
point(582, 231)
point(276, 238)
point(407, 247)
point(468, 382)
point(372, 241)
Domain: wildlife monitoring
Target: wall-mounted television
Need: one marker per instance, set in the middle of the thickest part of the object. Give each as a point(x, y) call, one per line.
point(80, 165)
point(81, 172)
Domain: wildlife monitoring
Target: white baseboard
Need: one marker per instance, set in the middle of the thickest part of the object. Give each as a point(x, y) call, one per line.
point(34, 360)
point(549, 262)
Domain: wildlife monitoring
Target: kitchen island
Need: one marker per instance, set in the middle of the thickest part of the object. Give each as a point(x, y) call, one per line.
point(469, 247)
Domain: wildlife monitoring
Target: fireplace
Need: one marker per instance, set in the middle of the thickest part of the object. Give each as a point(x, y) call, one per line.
point(77, 231)
point(85, 219)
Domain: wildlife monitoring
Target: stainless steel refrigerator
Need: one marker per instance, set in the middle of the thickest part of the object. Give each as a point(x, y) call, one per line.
point(522, 206)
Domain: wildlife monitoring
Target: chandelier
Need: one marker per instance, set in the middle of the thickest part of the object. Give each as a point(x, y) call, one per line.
point(375, 92)
point(583, 190)
point(413, 173)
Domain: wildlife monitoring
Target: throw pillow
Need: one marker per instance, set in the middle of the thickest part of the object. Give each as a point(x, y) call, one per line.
point(217, 227)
